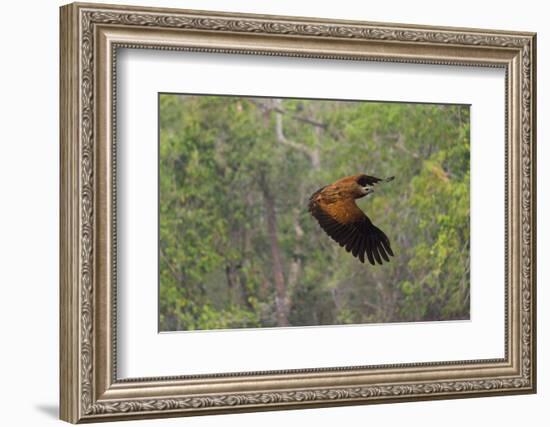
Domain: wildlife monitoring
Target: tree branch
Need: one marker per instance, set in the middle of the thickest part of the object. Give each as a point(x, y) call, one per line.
point(313, 154)
point(278, 109)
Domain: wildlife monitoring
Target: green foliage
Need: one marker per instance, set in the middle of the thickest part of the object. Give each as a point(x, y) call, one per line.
point(228, 165)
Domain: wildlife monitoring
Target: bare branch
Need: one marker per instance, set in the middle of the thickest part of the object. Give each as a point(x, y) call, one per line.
point(313, 154)
point(283, 140)
point(278, 109)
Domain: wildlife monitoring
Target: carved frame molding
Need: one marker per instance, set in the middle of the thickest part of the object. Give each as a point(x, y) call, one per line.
point(90, 37)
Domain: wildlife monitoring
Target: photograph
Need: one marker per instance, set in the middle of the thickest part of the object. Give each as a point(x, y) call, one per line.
point(285, 212)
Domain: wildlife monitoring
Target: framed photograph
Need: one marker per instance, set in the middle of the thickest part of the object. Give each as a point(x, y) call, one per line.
point(265, 212)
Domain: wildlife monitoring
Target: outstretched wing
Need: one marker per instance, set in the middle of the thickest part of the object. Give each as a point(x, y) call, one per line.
point(346, 224)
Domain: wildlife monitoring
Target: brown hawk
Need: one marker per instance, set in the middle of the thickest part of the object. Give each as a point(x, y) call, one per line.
point(335, 209)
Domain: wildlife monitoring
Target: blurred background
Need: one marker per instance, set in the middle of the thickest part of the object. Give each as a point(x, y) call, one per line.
point(238, 247)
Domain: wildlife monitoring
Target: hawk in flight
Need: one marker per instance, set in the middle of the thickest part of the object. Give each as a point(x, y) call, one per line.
point(335, 209)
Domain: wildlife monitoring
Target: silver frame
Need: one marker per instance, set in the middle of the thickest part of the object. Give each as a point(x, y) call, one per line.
point(90, 37)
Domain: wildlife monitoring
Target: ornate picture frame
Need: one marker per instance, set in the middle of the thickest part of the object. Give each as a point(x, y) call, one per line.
point(90, 37)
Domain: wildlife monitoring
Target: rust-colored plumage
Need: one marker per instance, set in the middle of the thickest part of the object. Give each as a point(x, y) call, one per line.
point(335, 209)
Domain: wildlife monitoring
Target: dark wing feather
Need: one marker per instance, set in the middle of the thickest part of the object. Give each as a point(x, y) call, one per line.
point(360, 237)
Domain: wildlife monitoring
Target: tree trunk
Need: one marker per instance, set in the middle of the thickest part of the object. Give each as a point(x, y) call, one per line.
point(296, 263)
point(281, 299)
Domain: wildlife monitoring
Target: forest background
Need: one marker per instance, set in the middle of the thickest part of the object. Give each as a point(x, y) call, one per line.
point(238, 247)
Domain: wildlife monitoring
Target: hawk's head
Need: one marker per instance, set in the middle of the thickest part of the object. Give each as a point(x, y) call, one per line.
point(365, 184)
